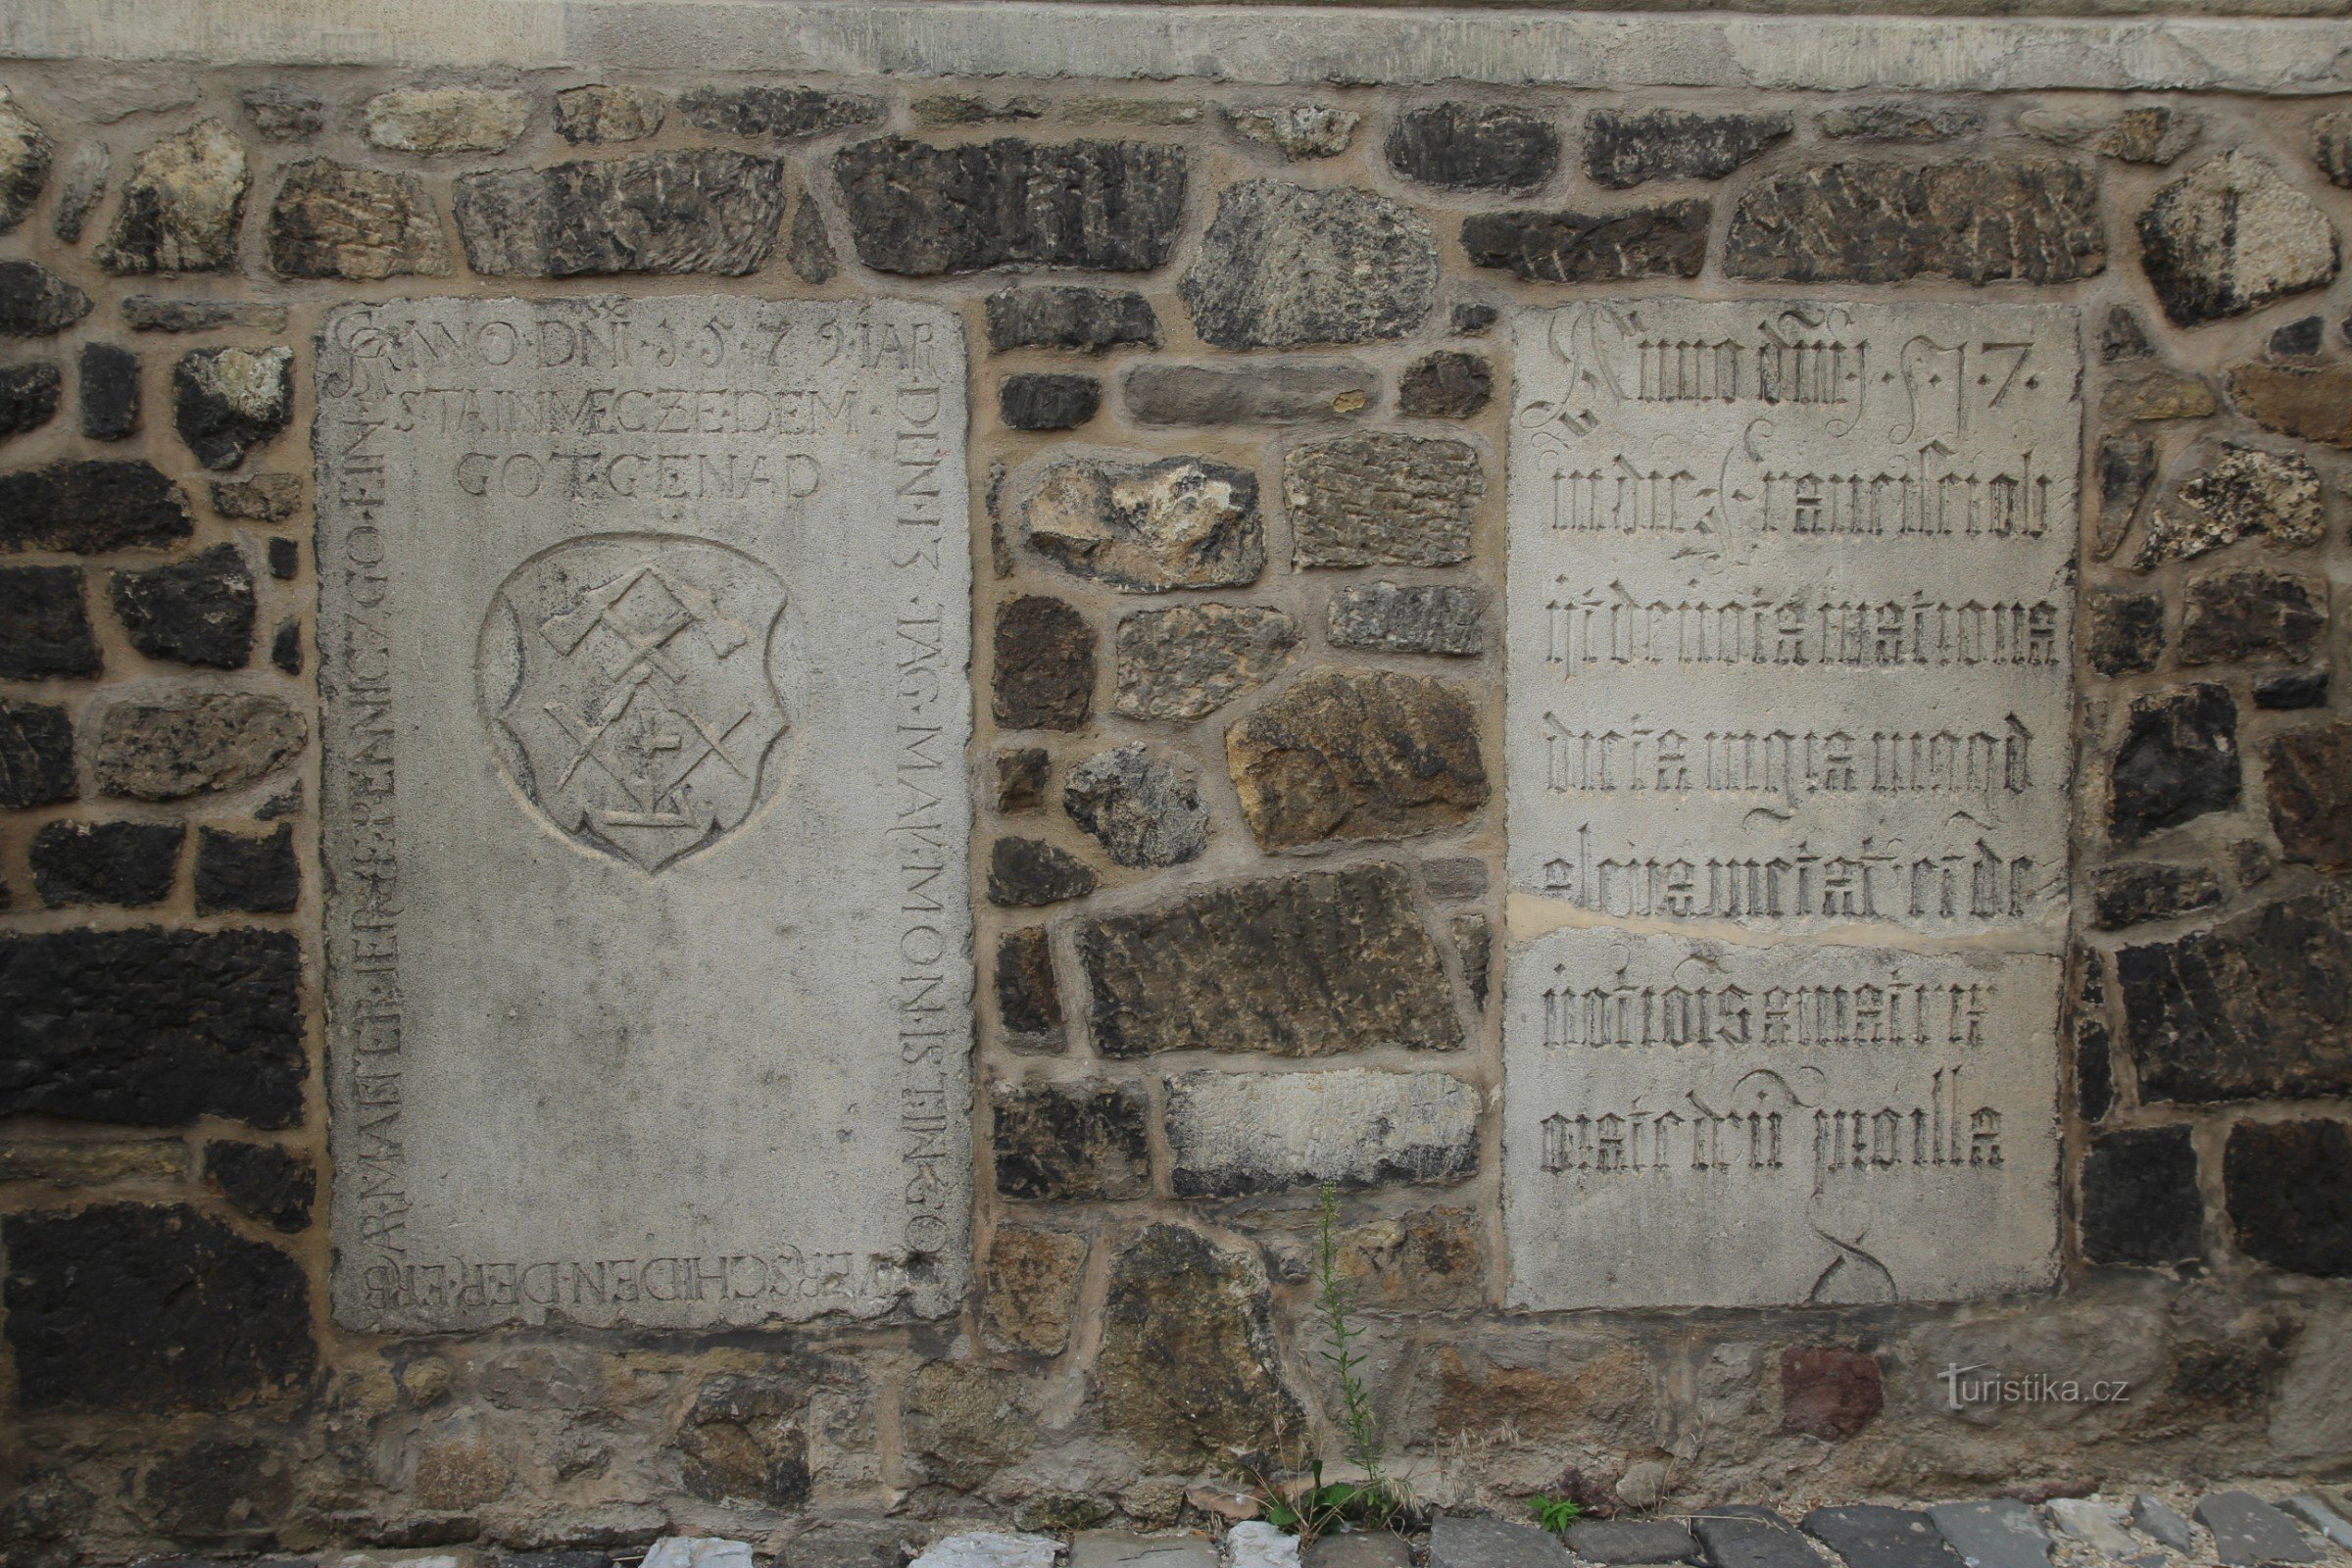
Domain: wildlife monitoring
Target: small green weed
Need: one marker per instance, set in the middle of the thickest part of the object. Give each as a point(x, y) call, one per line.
point(1554, 1514)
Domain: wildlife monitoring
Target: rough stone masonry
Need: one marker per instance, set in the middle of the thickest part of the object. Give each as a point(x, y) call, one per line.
point(733, 744)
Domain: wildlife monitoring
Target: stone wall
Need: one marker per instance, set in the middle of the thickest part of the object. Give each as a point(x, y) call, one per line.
point(1240, 394)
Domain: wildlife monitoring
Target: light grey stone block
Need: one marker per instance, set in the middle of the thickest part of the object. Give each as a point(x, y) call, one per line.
point(1118, 1548)
point(2160, 1523)
point(2000, 1533)
point(634, 613)
point(1631, 1541)
point(1492, 1543)
point(2097, 1525)
point(2321, 1517)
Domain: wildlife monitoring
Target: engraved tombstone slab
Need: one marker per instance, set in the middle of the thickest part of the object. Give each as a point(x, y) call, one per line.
point(644, 638)
point(1789, 719)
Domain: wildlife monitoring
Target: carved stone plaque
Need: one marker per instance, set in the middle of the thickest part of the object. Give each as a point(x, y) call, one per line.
point(644, 637)
point(1788, 738)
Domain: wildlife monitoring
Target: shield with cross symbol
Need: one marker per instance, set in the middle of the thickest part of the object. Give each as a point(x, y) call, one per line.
point(628, 677)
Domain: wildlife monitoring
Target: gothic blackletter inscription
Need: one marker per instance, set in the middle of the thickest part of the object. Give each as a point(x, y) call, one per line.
point(644, 637)
point(1788, 720)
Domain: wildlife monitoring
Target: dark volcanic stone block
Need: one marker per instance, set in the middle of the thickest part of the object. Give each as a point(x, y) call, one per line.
point(775, 113)
point(128, 863)
point(91, 508)
point(1286, 267)
point(1028, 873)
point(2139, 1197)
point(242, 873)
point(151, 1027)
point(1048, 402)
point(1295, 967)
point(1669, 240)
point(1044, 665)
point(1089, 320)
point(1871, 222)
point(2295, 690)
point(1869, 1536)
point(2259, 1008)
point(2128, 894)
point(1631, 1541)
point(1623, 150)
point(2309, 775)
point(1747, 1535)
point(702, 210)
point(44, 630)
point(1071, 1142)
point(2249, 1533)
point(1446, 385)
point(2178, 761)
point(197, 611)
point(130, 1307)
point(1463, 147)
point(2126, 631)
point(226, 402)
point(924, 211)
point(110, 392)
point(36, 754)
point(29, 396)
point(35, 302)
point(273, 1185)
point(2252, 614)
point(1028, 1002)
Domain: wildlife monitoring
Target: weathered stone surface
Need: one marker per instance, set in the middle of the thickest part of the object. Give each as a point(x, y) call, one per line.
point(153, 312)
point(2144, 134)
point(247, 874)
point(1668, 240)
point(1287, 266)
point(2179, 760)
point(1144, 810)
point(1030, 873)
point(180, 205)
point(197, 1316)
point(2236, 492)
point(77, 1162)
point(1296, 131)
point(1626, 149)
point(81, 186)
point(2254, 1009)
point(2126, 467)
point(2247, 1532)
point(1997, 1533)
point(1028, 1002)
point(2156, 1519)
point(2310, 401)
point(924, 211)
point(1827, 1392)
point(962, 109)
point(283, 111)
point(2306, 1506)
point(1870, 1536)
point(25, 154)
point(44, 630)
point(2297, 688)
point(36, 754)
point(1459, 146)
point(29, 396)
point(110, 392)
point(196, 612)
point(35, 302)
point(1472, 318)
point(285, 647)
point(1071, 1143)
point(809, 249)
point(2252, 614)
point(91, 508)
point(2297, 339)
point(1977, 220)
point(1236, 1134)
point(1254, 1543)
point(2229, 236)
point(2124, 635)
point(331, 219)
point(194, 744)
point(2141, 1204)
point(126, 863)
point(2158, 395)
point(151, 1027)
point(1285, 392)
point(1420, 618)
point(2124, 336)
point(273, 1185)
point(1751, 1536)
point(1022, 775)
point(1631, 1541)
point(1182, 523)
point(1358, 1550)
point(1192, 660)
point(261, 498)
point(1481, 1543)
point(600, 113)
point(703, 210)
point(1189, 1370)
point(2332, 146)
point(1051, 400)
point(2096, 1525)
point(2093, 1042)
point(446, 120)
point(1089, 320)
point(2308, 777)
point(286, 560)
point(776, 113)
point(1357, 755)
point(1044, 665)
point(1382, 500)
point(2139, 891)
point(226, 402)
point(1899, 122)
point(1473, 946)
point(1032, 1290)
point(1446, 385)
point(1307, 965)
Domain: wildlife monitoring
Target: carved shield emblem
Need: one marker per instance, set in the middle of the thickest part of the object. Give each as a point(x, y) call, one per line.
point(626, 682)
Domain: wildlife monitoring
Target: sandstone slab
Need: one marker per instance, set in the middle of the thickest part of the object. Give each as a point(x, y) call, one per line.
point(1751, 1536)
point(1235, 1134)
point(598, 113)
point(1977, 220)
point(445, 120)
point(334, 221)
point(1287, 266)
point(2231, 236)
point(776, 113)
point(1032, 1290)
point(1182, 522)
point(1871, 1536)
point(705, 211)
point(1192, 660)
point(636, 689)
point(2310, 401)
point(1044, 665)
point(179, 205)
point(194, 742)
point(1999, 1533)
point(1306, 965)
point(1296, 130)
point(1285, 392)
point(1357, 755)
point(1380, 499)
